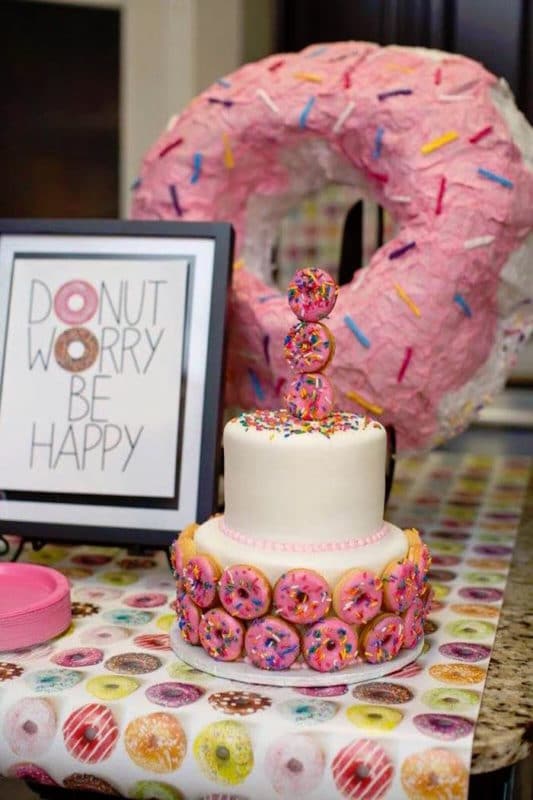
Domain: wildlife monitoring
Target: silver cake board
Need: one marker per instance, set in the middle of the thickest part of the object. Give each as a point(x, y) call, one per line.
point(303, 676)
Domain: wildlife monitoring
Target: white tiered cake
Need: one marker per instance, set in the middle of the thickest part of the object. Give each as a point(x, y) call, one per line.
point(303, 494)
point(301, 570)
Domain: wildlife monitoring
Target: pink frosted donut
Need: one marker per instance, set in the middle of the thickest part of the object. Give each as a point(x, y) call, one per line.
point(244, 591)
point(357, 596)
point(301, 596)
point(308, 347)
point(271, 643)
point(421, 557)
point(200, 576)
point(413, 623)
point(188, 619)
point(330, 645)
point(427, 600)
point(65, 302)
point(312, 294)
point(310, 396)
point(382, 638)
point(399, 585)
point(438, 142)
point(221, 635)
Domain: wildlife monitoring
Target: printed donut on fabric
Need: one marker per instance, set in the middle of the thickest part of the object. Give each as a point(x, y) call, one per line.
point(363, 769)
point(91, 733)
point(448, 159)
point(294, 764)
point(156, 742)
point(29, 726)
point(433, 774)
point(223, 751)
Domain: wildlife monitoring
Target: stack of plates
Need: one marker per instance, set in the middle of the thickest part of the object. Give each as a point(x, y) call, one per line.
point(34, 605)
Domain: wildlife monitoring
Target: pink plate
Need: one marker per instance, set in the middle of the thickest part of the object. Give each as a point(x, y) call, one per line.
point(34, 605)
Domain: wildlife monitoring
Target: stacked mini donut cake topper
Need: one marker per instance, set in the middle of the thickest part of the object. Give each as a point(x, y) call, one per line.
point(309, 344)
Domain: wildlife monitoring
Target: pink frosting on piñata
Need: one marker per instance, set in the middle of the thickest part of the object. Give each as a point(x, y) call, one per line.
point(431, 327)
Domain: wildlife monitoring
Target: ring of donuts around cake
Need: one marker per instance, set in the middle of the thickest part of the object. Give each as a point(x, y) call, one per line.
point(301, 597)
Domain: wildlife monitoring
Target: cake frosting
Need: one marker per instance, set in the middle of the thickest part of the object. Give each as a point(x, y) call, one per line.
point(297, 492)
point(304, 482)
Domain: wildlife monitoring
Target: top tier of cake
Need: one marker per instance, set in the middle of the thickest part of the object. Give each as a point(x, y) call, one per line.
point(306, 482)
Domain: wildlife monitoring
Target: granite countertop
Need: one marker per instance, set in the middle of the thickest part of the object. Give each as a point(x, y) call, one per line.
point(504, 730)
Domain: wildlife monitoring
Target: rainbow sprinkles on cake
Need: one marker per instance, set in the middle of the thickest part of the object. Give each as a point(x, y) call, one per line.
point(301, 570)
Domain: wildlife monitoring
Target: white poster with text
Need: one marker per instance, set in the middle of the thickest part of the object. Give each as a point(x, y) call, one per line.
point(92, 373)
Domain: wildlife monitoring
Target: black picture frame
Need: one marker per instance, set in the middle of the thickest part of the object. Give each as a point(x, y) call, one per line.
point(209, 407)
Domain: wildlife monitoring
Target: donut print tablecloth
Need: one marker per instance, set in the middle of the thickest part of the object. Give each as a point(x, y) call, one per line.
point(107, 706)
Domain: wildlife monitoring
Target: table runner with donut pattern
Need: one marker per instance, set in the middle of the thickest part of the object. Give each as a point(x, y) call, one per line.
point(108, 707)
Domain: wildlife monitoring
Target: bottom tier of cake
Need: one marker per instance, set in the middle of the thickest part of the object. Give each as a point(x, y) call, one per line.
point(298, 617)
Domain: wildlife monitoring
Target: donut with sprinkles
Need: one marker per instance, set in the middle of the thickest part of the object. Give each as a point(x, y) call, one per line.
point(426, 334)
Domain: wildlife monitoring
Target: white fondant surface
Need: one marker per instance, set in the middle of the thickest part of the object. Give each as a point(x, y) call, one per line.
point(308, 488)
point(210, 539)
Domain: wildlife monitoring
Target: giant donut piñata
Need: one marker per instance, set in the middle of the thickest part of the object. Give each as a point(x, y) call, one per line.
point(429, 330)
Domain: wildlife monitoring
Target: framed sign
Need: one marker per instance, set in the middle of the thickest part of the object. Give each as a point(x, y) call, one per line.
point(111, 353)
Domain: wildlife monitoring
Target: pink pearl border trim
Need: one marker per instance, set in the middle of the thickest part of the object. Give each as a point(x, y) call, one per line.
point(284, 547)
